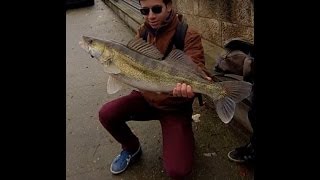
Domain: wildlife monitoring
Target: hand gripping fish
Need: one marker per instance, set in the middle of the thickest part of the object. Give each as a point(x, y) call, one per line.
point(140, 65)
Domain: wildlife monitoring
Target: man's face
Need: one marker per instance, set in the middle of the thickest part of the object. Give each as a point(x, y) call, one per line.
point(155, 12)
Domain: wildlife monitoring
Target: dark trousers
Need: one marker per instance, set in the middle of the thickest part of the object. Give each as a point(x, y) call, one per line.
point(177, 134)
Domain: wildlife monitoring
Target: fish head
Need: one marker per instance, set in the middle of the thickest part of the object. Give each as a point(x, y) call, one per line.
point(101, 50)
point(94, 47)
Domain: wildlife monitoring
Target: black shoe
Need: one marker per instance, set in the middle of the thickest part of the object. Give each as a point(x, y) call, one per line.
point(242, 154)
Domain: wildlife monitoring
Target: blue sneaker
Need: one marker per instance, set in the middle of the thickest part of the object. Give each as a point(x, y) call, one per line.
point(123, 160)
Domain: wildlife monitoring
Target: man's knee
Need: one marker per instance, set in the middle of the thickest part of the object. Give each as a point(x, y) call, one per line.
point(105, 116)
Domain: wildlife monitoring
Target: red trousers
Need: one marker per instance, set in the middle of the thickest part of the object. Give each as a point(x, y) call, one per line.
point(177, 134)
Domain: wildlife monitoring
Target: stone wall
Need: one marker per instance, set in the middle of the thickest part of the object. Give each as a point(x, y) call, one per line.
point(219, 20)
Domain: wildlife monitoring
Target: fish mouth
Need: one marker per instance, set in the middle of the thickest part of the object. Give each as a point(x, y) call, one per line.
point(84, 45)
point(86, 39)
point(85, 42)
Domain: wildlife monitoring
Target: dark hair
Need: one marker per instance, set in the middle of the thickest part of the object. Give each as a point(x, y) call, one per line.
point(164, 1)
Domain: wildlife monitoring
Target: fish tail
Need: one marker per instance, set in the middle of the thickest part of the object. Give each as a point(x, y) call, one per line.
point(234, 92)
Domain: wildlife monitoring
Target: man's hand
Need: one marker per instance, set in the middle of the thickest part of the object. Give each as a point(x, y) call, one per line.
point(184, 90)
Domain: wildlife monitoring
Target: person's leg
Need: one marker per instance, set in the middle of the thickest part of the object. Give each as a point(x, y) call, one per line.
point(114, 115)
point(247, 153)
point(178, 144)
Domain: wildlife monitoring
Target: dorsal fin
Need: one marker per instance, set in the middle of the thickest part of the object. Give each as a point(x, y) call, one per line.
point(182, 61)
point(147, 49)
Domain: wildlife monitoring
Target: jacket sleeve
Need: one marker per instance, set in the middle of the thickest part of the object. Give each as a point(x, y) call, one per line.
point(193, 48)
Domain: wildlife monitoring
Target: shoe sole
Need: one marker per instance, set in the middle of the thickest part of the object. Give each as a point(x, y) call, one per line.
point(133, 159)
point(235, 160)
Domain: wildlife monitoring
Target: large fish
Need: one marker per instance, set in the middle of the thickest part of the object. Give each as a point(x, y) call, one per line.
point(140, 65)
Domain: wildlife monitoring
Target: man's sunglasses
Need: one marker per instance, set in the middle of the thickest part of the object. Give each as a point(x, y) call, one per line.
point(155, 9)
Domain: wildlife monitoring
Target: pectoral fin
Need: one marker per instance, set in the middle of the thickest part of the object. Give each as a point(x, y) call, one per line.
point(111, 69)
point(113, 85)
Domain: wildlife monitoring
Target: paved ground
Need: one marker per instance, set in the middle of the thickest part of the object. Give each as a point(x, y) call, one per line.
point(90, 148)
